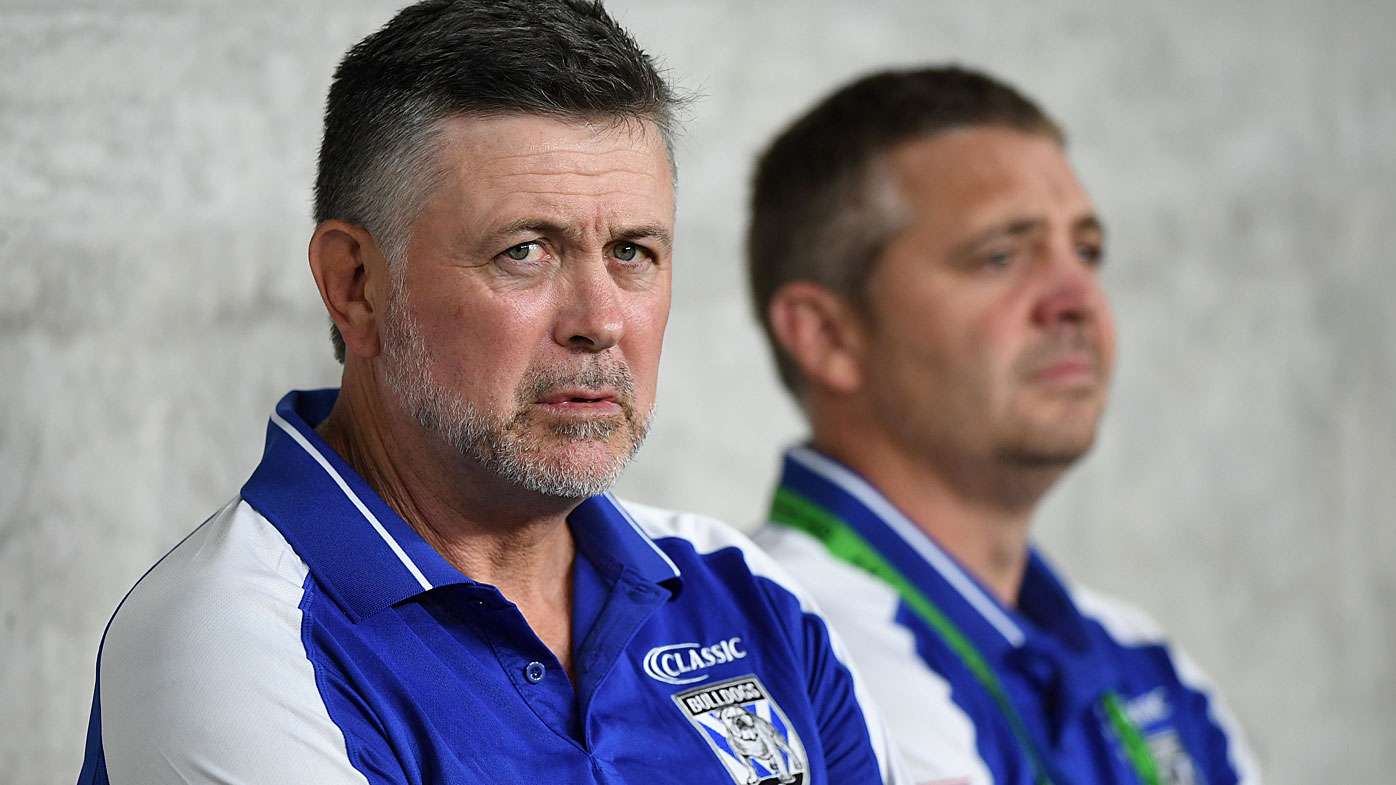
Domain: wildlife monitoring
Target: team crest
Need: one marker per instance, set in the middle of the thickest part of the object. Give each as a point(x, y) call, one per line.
point(747, 731)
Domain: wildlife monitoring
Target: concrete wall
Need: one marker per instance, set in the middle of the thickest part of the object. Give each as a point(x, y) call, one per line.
point(155, 161)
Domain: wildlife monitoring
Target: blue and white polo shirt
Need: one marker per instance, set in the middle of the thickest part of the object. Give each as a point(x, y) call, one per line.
point(1067, 688)
point(306, 634)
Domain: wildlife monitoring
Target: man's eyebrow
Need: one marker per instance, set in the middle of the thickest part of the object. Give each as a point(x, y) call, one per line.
point(1090, 223)
point(1014, 228)
point(527, 226)
point(1019, 227)
point(656, 232)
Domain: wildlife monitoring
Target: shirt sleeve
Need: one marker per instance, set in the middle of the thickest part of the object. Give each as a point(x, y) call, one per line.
point(203, 676)
point(846, 712)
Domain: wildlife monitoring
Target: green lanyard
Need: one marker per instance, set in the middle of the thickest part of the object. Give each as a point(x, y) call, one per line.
point(796, 511)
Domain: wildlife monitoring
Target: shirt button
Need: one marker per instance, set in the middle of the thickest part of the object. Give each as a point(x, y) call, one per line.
point(534, 672)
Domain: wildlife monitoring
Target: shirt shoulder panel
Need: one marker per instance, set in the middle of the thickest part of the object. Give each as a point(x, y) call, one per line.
point(708, 535)
point(1124, 622)
point(203, 675)
point(935, 736)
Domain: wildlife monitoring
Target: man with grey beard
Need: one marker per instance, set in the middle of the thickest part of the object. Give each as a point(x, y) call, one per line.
point(425, 581)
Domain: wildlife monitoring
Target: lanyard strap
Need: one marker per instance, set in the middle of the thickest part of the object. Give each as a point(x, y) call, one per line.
point(793, 509)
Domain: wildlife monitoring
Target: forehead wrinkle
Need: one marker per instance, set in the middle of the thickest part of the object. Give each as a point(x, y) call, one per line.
point(562, 200)
point(485, 155)
point(607, 181)
point(627, 162)
point(615, 194)
point(619, 188)
point(555, 157)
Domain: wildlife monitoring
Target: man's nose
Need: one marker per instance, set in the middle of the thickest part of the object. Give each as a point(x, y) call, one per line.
point(1072, 291)
point(590, 317)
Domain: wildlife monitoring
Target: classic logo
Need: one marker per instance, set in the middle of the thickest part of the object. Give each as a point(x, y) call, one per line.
point(1151, 708)
point(747, 731)
point(1151, 713)
point(686, 663)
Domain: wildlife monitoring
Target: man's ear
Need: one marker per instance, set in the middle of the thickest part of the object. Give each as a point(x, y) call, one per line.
point(351, 273)
point(821, 333)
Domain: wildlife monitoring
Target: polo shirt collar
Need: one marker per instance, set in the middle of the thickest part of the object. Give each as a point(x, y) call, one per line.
point(994, 628)
point(362, 552)
point(610, 537)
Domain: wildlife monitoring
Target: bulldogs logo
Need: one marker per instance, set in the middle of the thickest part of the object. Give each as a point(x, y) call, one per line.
point(756, 740)
point(747, 731)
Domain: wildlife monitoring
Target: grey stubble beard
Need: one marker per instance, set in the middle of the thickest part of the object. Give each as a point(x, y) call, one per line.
point(511, 448)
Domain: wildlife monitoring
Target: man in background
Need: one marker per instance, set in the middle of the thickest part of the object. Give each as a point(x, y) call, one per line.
point(927, 268)
point(425, 580)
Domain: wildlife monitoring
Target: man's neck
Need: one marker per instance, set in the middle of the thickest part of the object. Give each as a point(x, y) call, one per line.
point(490, 530)
point(979, 515)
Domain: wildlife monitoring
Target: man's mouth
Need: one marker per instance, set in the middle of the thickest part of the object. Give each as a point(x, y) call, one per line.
point(581, 402)
point(1070, 370)
point(593, 392)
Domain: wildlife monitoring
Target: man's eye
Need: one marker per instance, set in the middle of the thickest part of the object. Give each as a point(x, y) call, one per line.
point(523, 252)
point(1092, 255)
point(1000, 258)
point(628, 252)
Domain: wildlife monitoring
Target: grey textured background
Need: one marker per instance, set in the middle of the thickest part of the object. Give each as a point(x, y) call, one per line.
point(155, 161)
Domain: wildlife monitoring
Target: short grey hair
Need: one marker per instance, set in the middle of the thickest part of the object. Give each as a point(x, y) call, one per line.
point(439, 59)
